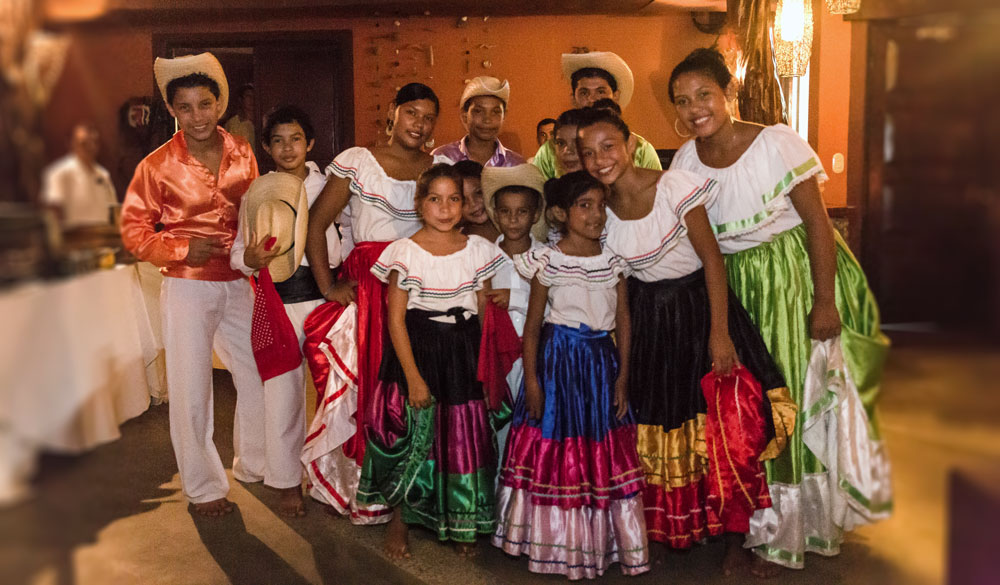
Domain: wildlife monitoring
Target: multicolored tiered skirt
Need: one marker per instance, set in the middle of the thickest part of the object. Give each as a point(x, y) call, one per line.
point(671, 322)
point(775, 284)
point(570, 487)
point(437, 465)
point(344, 348)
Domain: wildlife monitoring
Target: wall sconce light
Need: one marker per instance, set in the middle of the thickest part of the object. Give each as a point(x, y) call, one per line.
point(793, 33)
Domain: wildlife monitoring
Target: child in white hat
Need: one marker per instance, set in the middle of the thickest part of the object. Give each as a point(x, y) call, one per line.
point(484, 106)
point(594, 76)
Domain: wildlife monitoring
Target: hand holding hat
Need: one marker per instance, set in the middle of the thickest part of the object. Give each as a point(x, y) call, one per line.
point(260, 250)
point(276, 207)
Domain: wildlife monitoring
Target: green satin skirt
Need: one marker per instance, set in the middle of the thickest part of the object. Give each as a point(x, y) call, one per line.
point(774, 283)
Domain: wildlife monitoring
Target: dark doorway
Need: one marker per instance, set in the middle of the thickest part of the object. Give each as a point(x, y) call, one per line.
point(310, 69)
point(933, 146)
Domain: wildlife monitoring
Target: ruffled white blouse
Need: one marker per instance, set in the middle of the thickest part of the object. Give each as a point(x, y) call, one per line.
point(581, 288)
point(753, 204)
point(381, 208)
point(439, 283)
point(656, 246)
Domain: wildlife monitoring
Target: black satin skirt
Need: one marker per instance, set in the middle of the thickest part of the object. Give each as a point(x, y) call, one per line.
point(671, 321)
point(447, 355)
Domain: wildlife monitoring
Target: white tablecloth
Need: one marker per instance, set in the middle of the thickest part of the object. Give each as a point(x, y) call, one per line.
point(78, 358)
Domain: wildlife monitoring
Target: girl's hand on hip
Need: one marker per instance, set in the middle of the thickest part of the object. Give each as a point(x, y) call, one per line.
point(824, 321)
point(420, 394)
point(342, 291)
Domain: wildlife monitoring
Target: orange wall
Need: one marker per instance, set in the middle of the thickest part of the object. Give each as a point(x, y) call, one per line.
point(834, 52)
point(107, 65)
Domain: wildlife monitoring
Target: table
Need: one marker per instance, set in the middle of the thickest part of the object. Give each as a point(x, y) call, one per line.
point(78, 358)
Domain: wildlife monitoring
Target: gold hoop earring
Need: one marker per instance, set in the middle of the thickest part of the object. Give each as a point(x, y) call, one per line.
point(678, 132)
point(388, 127)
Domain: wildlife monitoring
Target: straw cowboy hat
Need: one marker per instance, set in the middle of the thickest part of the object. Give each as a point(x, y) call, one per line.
point(276, 204)
point(525, 175)
point(610, 62)
point(485, 85)
point(167, 70)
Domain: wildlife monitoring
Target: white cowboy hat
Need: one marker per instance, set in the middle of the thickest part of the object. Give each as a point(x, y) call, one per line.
point(525, 175)
point(276, 204)
point(485, 85)
point(167, 70)
point(610, 62)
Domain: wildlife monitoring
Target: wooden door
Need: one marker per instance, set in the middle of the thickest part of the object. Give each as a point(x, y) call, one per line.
point(311, 69)
point(932, 224)
point(307, 76)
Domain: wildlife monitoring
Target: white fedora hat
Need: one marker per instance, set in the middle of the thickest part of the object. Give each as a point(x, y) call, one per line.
point(610, 62)
point(167, 70)
point(485, 85)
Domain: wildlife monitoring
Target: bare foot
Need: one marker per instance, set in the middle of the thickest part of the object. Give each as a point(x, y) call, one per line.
point(658, 553)
point(215, 508)
point(466, 549)
point(763, 569)
point(735, 556)
point(738, 558)
point(397, 537)
point(291, 504)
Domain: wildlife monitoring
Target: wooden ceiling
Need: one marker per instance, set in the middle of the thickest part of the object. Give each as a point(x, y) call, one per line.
point(67, 11)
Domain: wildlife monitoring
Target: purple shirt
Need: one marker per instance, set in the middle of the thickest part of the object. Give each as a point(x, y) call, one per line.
point(456, 151)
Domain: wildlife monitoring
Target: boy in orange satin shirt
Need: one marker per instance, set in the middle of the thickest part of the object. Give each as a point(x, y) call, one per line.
point(180, 213)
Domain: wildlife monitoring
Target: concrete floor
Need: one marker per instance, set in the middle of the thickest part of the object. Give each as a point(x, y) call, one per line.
point(116, 515)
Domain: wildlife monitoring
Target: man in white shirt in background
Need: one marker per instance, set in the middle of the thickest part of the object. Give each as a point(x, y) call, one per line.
point(76, 188)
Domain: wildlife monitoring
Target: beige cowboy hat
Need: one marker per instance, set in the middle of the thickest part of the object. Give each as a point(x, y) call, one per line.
point(526, 175)
point(167, 70)
point(485, 85)
point(610, 62)
point(276, 204)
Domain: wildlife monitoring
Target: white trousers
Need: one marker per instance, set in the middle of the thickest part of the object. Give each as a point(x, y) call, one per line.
point(198, 316)
point(285, 414)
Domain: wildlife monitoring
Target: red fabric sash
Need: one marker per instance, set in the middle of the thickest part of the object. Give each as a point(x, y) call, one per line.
point(272, 337)
point(499, 348)
point(735, 436)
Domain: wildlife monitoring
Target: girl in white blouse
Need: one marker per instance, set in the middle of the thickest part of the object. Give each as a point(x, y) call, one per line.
point(436, 463)
point(570, 486)
point(803, 288)
point(686, 324)
point(374, 188)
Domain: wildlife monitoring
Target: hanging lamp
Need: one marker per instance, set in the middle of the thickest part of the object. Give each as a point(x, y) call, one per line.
point(793, 32)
